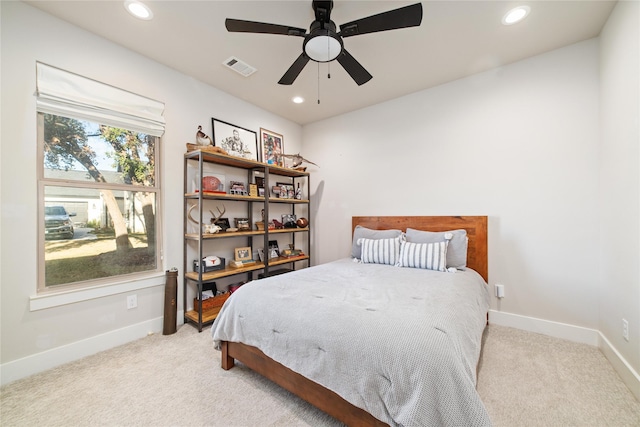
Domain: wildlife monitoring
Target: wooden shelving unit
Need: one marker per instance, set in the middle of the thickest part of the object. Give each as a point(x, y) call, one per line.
point(194, 243)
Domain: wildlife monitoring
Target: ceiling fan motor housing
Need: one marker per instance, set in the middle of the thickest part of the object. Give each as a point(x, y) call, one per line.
point(322, 44)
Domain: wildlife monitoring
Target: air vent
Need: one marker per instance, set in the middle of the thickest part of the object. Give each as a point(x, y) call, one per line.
point(239, 66)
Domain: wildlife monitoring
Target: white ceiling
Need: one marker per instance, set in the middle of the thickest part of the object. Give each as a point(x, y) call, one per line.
point(456, 39)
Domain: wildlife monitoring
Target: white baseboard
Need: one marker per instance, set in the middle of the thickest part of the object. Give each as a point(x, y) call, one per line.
point(576, 334)
point(545, 327)
point(629, 376)
point(30, 365)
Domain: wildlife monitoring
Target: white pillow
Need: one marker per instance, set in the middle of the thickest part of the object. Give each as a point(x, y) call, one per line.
point(430, 256)
point(380, 251)
point(361, 232)
point(457, 249)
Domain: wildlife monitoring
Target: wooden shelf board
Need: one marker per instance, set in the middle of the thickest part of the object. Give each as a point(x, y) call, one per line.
point(285, 260)
point(235, 197)
point(222, 235)
point(220, 196)
point(242, 163)
point(207, 315)
point(228, 271)
point(194, 236)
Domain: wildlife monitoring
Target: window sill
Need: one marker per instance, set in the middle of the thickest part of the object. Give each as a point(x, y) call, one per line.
point(49, 300)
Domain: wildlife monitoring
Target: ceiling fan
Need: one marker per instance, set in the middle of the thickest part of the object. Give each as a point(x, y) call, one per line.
point(324, 44)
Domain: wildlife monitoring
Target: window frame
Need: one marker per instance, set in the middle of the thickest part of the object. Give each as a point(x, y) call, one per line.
point(93, 288)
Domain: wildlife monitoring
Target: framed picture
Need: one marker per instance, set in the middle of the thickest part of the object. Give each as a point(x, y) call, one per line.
point(238, 188)
point(242, 224)
point(272, 147)
point(289, 221)
point(243, 254)
point(235, 140)
point(273, 249)
point(286, 190)
point(223, 223)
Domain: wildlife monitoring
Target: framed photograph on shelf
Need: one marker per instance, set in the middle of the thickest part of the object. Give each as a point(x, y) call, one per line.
point(243, 254)
point(286, 190)
point(235, 140)
point(223, 223)
point(289, 220)
point(274, 251)
point(237, 188)
point(272, 147)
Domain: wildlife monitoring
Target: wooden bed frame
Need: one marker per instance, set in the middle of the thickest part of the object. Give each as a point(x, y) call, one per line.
point(319, 396)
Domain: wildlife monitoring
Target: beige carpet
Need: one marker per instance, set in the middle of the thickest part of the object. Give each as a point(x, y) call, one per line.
point(525, 379)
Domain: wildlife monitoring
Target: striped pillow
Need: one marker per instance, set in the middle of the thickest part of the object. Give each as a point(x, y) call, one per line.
point(431, 256)
point(380, 251)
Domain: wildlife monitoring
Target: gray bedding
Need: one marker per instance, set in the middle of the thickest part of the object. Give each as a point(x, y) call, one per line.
point(400, 343)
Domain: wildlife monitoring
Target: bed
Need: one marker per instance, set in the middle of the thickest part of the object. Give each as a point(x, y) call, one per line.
point(366, 342)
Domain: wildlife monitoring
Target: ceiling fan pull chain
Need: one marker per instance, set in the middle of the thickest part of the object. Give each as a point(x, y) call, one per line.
point(328, 56)
point(318, 83)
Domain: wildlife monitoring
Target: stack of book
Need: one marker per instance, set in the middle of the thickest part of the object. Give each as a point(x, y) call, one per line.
point(238, 264)
point(291, 253)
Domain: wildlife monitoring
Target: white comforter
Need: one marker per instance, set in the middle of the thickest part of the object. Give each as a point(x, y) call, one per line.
point(400, 343)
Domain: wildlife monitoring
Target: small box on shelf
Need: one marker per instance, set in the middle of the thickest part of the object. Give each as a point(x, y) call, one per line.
point(210, 263)
point(213, 303)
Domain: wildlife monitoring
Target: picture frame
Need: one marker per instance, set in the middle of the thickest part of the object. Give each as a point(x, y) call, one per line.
point(223, 223)
point(243, 254)
point(271, 147)
point(242, 224)
point(289, 221)
point(235, 140)
point(286, 191)
point(238, 188)
point(274, 251)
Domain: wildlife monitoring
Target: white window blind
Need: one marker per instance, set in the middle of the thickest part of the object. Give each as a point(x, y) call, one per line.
point(67, 94)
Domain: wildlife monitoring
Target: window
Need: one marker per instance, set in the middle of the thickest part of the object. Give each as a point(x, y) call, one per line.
point(98, 186)
point(99, 202)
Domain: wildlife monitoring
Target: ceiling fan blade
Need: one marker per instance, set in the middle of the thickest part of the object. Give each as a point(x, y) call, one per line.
point(353, 67)
point(408, 16)
point(239, 26)
point(295, 69)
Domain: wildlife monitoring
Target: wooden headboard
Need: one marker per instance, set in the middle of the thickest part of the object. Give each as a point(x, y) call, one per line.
point(476, 227)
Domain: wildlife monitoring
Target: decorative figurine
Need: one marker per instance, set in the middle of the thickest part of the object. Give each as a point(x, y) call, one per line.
point(202, 138)
point(297, 160)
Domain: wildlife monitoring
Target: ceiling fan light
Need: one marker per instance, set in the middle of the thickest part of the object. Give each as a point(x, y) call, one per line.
point(139, 10)
point(515, 15)
point(298, 99)
point(322, 48)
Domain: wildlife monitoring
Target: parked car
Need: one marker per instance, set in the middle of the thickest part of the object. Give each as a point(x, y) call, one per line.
point(57, 223)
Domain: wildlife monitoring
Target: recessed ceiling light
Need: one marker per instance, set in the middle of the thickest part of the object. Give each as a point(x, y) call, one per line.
point(515, 15)
point(298, 99)
point(139, 10)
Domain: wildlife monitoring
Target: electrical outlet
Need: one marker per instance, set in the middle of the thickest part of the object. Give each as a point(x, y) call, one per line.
point(132, 302)
point(625, 329)
point(499, 290)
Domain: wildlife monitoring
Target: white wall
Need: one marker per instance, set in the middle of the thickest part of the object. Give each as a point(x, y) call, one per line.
point(619, 292)
point(517, 143)
point(36, 340)
point(521, 144)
